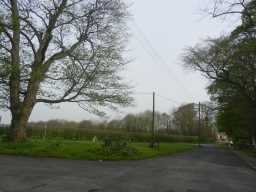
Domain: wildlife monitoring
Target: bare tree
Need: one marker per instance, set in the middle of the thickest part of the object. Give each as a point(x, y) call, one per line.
point(55, 51)
point(227, 7)
point(243, 8)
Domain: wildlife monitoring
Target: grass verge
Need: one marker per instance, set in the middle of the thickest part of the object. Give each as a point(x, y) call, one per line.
point(86, 150)
point(249, 152)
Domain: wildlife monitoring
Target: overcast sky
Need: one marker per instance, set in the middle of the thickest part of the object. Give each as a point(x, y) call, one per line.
point(160, 30)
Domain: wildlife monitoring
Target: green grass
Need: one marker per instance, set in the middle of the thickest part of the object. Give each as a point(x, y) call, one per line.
point(222, 146)
point(249, 152)
point(164, 149)
point(86, 150)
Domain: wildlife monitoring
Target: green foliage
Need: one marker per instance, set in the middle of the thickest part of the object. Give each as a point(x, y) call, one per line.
point(71, 53)
point(230, 63)
point(234, 119)
point(117, 146)
point(2, 131)
point(89, 134)
point(87, 130)
point(89, 150)
point(184, 119)
point(249, 151)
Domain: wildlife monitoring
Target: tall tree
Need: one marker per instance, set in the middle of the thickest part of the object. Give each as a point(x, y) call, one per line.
point(184, 119)
point(231, 67)
point(233, 118)
point(56, 51)
point(230, 63)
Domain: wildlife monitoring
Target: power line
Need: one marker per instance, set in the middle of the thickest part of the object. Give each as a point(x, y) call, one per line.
point(168, 99)
point(156, 57)
point(142, 93)
point(161, 96)
point(145, 48)
point(158, 95)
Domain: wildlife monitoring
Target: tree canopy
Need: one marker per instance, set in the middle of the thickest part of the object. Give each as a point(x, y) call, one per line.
point(56, 51)
point(230, 64)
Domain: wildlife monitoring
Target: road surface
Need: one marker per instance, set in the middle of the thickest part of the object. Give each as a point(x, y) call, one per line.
point(207, 169)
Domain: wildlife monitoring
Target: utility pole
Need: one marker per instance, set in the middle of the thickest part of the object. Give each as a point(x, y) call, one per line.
point(199, 124)
point(45, 131)
point(167, 128)
point(153, 123)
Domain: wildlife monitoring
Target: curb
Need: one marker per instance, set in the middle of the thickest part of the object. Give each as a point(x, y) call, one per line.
point(249, 161)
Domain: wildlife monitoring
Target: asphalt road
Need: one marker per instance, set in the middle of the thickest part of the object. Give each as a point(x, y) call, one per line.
point(205, 170)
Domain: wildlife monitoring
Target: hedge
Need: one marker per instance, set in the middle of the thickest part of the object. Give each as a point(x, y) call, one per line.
point(86, 134)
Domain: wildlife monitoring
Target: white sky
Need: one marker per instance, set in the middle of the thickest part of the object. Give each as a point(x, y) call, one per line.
point(160, 30)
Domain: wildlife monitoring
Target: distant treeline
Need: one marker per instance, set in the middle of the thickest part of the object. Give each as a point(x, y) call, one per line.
point(182, 122)
point(141, 122)
point(181, 125)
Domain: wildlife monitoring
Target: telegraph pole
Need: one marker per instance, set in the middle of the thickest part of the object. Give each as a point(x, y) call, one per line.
point(45, 130)
point(153, 122)
point(199, 124)
point(167, 128)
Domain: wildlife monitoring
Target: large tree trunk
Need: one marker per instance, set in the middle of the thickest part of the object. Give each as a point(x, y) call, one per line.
point(18, 128)
point(20, 115)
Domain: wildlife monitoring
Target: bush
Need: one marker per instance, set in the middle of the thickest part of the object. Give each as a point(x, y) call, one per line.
point(241, 143)
point(2, 131)
point(3, 134)
point(118, 146)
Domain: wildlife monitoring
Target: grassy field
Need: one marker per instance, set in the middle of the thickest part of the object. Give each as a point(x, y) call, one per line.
point(86, 150)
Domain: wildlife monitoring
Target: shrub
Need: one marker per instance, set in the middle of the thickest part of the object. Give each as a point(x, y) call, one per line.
point(117, 147)
point(2, 131)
